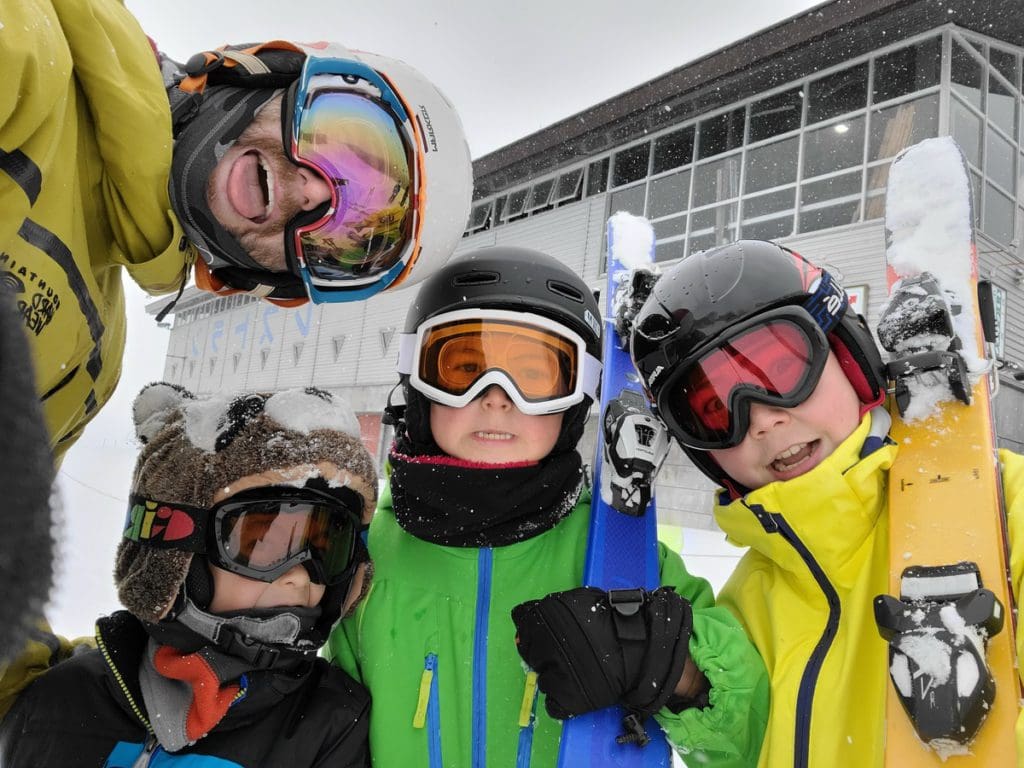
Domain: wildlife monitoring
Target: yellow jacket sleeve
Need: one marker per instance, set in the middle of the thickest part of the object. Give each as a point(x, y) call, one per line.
point(41, 651)
point(1013, 497)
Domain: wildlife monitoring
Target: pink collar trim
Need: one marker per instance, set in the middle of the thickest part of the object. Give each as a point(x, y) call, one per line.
point(451, 461)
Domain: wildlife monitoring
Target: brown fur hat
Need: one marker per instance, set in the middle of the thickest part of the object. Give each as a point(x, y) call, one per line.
point(194, 447)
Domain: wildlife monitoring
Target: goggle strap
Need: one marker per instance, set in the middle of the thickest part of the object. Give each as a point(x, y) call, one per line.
point(252, 64)
point(407, 343)
point(828, 303)
point(591, 375)
point(164, 525)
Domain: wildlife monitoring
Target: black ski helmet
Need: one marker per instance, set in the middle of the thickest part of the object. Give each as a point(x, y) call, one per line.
point(508, 278)
point(710, 292)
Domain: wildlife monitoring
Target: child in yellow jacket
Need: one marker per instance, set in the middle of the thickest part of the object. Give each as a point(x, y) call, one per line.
point(773, 386)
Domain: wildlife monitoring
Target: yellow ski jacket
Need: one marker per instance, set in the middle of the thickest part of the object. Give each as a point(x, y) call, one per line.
point(85, 156)
point(819, 554)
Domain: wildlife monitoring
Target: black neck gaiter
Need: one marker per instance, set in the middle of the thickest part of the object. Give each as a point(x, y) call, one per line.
point(457, 503)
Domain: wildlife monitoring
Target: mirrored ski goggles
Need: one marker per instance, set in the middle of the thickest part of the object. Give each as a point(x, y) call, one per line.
point(541, 365)
point(776, 360)
point(262, 533)
point(349, 125)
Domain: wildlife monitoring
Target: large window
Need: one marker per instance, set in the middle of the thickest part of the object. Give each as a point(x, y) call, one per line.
point(771, 165)
point(910, 69)
point(721, 133)
point(834, 147)
point(838, 93)
point(776, 115)
point(669, 194)
point(900, 125)
point(716, 180)
point(630, 165)
point(673, 150)
point(966, 75)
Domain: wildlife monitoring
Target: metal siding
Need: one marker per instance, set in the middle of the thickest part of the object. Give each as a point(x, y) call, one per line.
point(998, 265)
point(195, 354)
point(298, 346)
point(241, 327)
point(685, 496)
point(267, 335)
point(383, 322)
point(213, 358)
point(333, 369)
point(177, 345)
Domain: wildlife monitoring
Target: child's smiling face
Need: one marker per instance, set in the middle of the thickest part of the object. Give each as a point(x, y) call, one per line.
point(491, 430)
point(783, 443)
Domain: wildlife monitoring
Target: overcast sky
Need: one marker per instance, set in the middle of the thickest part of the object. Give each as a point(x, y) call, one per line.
point(510, 67)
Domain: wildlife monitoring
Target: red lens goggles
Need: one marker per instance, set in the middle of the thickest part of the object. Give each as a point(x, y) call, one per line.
point(775, 359)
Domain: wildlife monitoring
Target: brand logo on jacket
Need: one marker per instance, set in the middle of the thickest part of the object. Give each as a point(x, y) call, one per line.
point(38, 308)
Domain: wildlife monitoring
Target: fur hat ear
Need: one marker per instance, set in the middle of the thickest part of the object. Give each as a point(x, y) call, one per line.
point(154, 406)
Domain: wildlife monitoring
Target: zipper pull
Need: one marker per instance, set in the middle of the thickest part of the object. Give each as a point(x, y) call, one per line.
point(419, 718)
point(142, 761)
point(764, 517)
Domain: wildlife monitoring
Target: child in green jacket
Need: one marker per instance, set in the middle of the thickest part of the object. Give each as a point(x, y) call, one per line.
point(485, 517)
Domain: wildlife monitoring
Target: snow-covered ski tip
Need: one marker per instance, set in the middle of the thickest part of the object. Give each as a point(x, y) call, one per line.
point(928, 227)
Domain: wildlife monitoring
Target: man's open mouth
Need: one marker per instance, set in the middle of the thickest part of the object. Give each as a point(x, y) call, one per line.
point(250, 186)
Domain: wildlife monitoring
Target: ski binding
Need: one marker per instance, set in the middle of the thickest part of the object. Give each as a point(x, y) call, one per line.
point(916, 328)
point(937, 633)
point(636, 444)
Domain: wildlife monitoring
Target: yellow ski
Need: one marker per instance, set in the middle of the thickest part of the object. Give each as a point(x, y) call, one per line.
point(954, 692)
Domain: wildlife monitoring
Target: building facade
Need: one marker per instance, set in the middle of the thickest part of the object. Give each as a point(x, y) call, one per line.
point(787, 135)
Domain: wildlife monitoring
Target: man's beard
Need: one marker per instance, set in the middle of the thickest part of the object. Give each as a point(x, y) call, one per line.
point(264, 242)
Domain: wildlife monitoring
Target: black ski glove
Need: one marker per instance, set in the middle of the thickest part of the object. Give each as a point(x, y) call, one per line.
point(592, 649)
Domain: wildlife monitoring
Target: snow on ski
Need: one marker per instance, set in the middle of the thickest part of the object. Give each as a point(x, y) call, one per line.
point(954, 688)
point(622, 549)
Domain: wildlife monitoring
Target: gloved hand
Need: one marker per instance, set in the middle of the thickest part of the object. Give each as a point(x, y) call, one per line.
point(592, 649)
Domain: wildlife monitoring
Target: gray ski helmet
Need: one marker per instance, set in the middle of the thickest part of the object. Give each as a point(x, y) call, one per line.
point(705, 295)
point(508, 278)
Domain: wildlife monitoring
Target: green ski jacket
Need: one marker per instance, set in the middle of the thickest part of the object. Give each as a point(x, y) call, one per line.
point(435, 644)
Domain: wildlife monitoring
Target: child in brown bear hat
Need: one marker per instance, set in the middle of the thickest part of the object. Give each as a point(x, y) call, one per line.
point(242, 547)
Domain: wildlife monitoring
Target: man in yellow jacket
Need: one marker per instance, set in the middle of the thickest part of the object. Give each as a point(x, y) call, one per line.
point(753, 353)
point(114, 158)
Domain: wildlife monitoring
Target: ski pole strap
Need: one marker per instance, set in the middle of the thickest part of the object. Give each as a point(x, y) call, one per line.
point(632, 631)
point(937, 633)
point(626, 605)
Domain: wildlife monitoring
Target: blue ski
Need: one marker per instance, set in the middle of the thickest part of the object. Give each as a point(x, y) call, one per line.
point(622, 550)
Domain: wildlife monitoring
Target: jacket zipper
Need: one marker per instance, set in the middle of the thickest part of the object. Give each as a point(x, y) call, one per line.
point(148, 750)
point(428, 710)
point(776, 523)
point(120, 681)
point(527, 718)
point(485, 563)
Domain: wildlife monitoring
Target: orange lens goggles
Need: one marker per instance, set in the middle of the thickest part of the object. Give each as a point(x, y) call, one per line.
point(541, 364)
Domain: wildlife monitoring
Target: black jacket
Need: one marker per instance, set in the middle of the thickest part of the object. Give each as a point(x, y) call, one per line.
point(88, 711)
